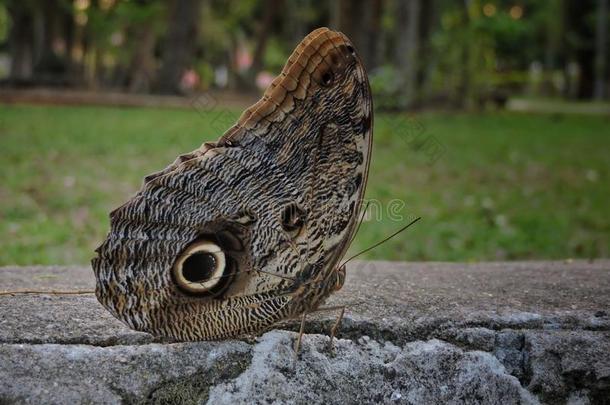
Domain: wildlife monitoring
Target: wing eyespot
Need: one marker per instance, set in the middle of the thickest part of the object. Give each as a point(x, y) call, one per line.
point(202, 269)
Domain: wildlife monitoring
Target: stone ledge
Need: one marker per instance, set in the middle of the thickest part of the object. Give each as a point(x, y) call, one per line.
point(515, 332)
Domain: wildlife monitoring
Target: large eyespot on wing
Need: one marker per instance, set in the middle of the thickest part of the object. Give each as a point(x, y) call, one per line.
point(201, 269)
point(205, 268)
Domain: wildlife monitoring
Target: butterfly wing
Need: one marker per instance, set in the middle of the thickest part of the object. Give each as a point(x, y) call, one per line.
point(244, 232)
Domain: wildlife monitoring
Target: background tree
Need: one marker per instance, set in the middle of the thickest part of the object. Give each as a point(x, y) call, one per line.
point(21, 40)
point(270, 10)
point(408, 15)
point(579, 43)
point(180, 44)
point(601, 49)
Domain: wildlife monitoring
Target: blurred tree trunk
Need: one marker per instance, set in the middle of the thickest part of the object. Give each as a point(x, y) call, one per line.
point(407, 46)
point(67, 33)
point(21, 41)
point(360, 20)
point(180, 44)
point(465, 88)
point(142, 64)
point(373, 33)
point(426, 64)
point(555, 25)
point(45, 55)
point(296, 24)
point(601, 50)
point(49, 66)
point(270, 9)
point(580, 43)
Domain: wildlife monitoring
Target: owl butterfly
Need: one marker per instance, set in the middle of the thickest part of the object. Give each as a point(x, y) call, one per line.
point(247, 231)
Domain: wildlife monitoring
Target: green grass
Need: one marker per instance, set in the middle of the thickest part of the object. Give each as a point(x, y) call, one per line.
point(507, 186)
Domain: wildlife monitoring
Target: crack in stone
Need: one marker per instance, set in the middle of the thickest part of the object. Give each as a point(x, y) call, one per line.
point(195, 388)
point(351, 329)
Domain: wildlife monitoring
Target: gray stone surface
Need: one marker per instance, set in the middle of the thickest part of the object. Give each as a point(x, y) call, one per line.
point(414, 333)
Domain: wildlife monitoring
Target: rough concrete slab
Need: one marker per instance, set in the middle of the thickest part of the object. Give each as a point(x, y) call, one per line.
point(414, 333)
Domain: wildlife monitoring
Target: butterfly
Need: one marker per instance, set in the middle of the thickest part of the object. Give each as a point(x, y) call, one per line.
point(249, 230)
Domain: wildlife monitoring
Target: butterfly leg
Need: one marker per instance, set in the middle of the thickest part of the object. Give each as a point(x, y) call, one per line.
point(335, 327)
point(333, 330)
point(297, 346)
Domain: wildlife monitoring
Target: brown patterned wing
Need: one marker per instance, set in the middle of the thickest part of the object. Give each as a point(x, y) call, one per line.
point(247, 231)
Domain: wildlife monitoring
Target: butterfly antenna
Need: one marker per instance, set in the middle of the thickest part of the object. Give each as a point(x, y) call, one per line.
point(381, 242)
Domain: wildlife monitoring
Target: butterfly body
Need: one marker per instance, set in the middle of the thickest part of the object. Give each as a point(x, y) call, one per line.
point(247, 231)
